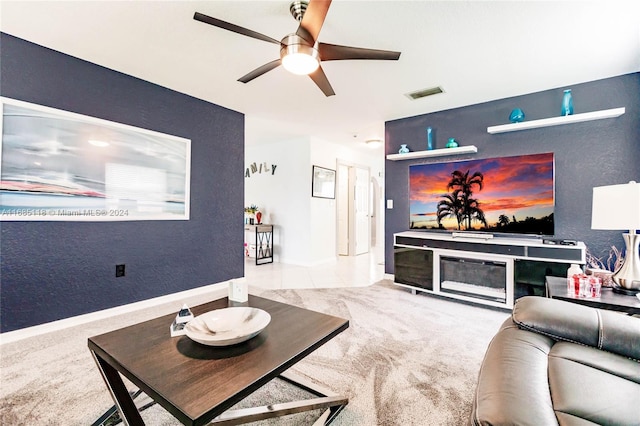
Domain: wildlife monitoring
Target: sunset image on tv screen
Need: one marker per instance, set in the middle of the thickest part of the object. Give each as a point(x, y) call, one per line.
point(505, 194)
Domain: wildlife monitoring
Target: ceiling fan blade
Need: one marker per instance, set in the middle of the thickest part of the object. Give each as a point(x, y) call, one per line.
point(259, 71)
point(321, 80)
point(313, 19)
point(334, 52)
point(232, 27)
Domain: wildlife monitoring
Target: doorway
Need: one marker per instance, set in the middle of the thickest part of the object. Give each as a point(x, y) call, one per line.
point(354, 216)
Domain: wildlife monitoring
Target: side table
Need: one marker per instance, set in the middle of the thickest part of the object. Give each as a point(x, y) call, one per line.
point(556, 288)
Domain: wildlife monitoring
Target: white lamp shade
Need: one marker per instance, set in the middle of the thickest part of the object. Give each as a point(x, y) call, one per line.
point(616, 207)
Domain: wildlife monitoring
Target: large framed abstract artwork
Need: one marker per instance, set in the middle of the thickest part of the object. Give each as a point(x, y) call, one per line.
point(61, 166)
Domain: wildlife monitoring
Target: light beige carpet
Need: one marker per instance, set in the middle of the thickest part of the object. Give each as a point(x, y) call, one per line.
point(405, 360)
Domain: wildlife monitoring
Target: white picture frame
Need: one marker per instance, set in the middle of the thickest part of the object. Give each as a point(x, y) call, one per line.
point(57, 165)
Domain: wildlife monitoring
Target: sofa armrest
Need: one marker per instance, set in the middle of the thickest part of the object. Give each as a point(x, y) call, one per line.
point(561, 320)
point(513, 384)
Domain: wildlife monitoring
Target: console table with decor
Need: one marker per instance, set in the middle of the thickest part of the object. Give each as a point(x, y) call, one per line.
point(610, 300)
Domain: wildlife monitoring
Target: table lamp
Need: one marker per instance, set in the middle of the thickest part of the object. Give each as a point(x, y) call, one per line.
point(617, 207)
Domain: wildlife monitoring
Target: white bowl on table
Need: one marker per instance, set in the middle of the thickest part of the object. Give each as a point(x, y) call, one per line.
point(228, 326)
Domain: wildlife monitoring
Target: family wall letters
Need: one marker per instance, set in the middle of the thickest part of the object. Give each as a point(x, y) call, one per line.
point(263, 167)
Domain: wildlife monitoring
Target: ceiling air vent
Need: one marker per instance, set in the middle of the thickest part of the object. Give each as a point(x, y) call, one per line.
point(424, 93)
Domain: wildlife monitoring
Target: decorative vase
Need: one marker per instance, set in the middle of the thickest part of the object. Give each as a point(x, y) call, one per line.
point(567, 103)
point(258, 218)
point(429, 138)
point(403, 149)
point(516, 116)
point(452, 143)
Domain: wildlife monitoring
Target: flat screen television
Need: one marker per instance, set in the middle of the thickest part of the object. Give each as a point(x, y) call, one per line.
point(508, 195)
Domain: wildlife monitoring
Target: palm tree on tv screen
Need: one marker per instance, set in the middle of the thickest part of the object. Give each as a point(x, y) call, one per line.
point(474, 212)
point(467, 209)
point(451, 206)
point(503, 220)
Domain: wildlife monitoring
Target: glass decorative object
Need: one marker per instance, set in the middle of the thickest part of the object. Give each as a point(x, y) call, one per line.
point(516, 116)
point(403, 149)
point(567, 103)
point(429, 138)
point(452, 143)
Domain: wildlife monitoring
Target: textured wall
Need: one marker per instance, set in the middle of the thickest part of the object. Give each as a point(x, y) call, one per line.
point(53, 270)
point(589, 154)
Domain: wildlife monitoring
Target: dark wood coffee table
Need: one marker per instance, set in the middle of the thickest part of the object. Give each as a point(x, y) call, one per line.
point(198, 384)
point(557, 289)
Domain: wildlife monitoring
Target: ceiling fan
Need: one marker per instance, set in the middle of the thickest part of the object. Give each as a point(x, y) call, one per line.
point(300, 52)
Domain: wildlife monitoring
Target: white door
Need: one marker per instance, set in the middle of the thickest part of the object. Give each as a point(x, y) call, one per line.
point(361, 210)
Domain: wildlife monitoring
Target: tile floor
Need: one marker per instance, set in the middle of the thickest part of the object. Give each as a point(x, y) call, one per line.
point(346, 271)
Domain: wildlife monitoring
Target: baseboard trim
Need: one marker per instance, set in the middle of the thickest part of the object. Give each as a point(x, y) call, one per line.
point(215, 290)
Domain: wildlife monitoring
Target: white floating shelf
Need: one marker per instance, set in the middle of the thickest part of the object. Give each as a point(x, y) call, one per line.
point(433, 153)
point(557, 121)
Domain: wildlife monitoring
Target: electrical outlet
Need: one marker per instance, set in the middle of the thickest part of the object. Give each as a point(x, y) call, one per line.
point(120, 270)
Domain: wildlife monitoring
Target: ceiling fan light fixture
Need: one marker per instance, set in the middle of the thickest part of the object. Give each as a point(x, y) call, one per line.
point(300, 63)
point(301, 52)
point(297, 57)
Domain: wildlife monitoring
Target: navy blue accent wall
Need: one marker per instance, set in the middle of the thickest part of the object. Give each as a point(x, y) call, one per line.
point(588, 154)
point(54, 270)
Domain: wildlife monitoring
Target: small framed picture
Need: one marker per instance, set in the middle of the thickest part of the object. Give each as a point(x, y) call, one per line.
point(323, 183)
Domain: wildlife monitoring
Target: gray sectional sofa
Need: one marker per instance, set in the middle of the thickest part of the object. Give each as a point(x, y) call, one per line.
point(560, 363)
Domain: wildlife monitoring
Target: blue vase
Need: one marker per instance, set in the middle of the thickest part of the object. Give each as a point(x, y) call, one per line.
point(452, 143)
point(429, 138)
point(516, 116)
point(403, 149)
point(567, 103)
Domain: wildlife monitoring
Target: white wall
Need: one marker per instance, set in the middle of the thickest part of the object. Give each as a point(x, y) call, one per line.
point(278, 195)
point(305, 227)
point(323, 221)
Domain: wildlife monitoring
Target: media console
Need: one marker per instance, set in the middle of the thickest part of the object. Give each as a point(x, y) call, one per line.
point(480, 269)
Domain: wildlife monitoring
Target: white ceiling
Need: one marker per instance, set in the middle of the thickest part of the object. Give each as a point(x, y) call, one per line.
point(476, 51)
